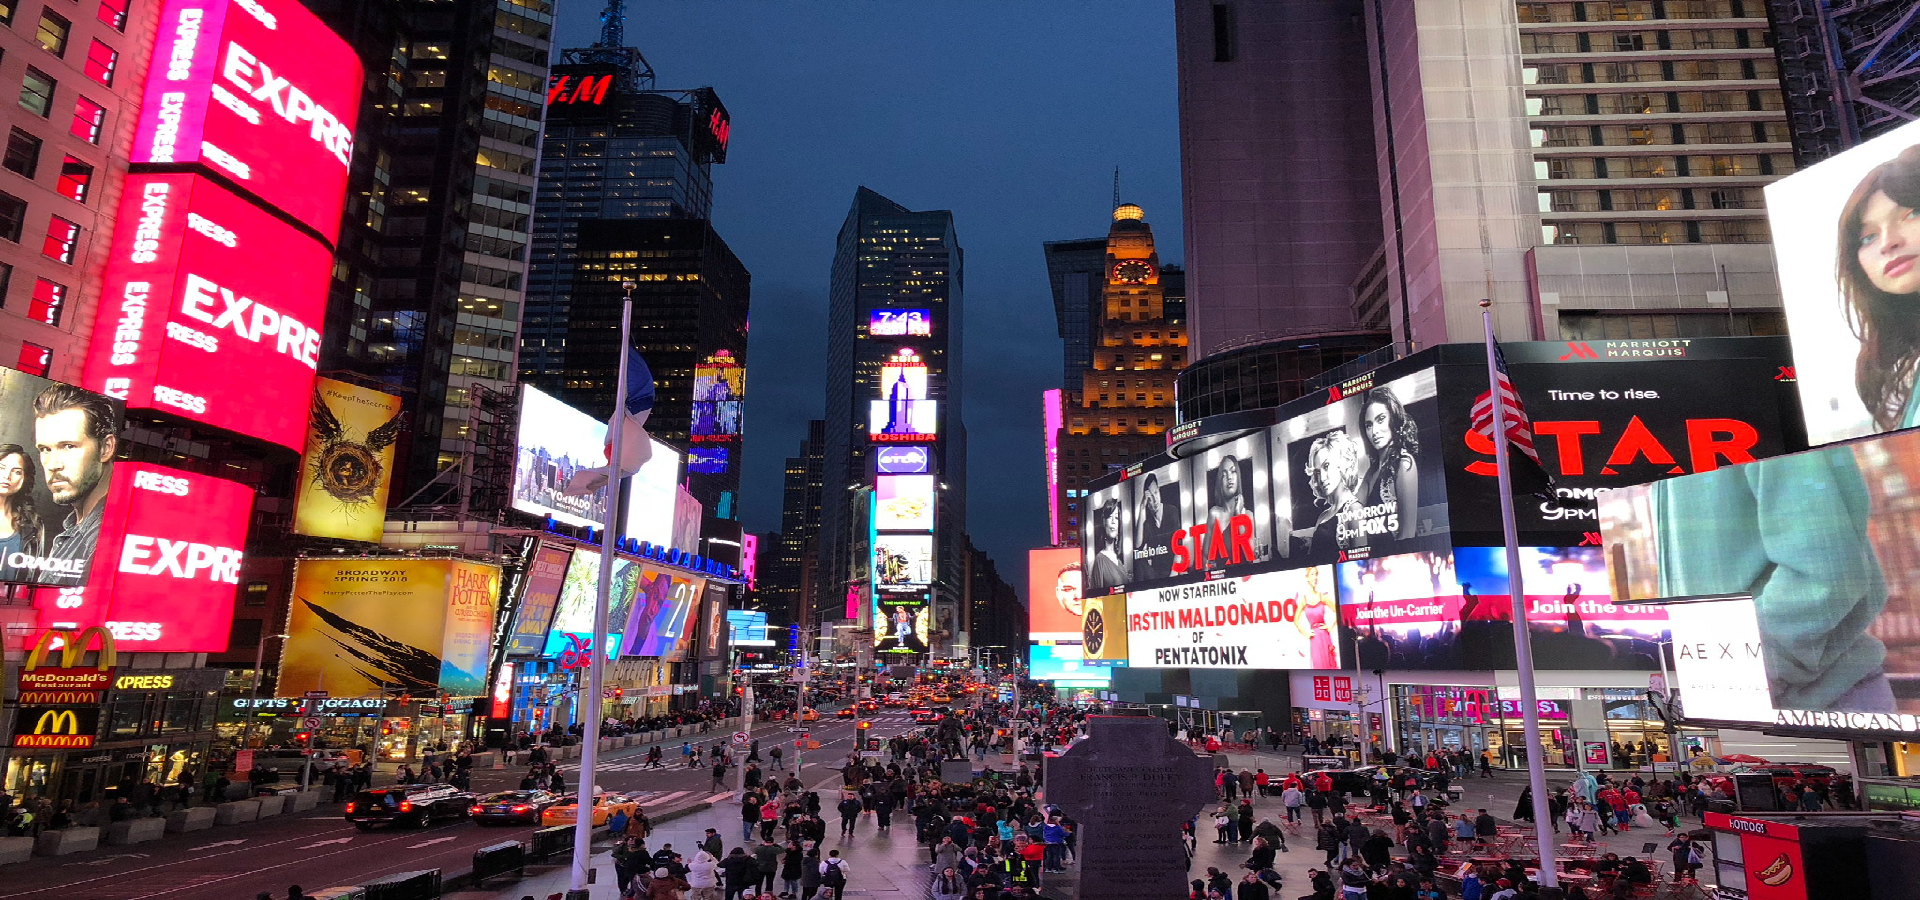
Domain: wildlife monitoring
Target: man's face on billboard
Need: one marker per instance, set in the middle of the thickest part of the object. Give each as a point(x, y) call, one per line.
point(1066, 589)
point(1154, 506)
point(75, 461)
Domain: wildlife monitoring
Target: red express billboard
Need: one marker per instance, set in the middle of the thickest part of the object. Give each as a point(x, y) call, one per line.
point(211, 310)
point(168, 564)
point(259, 91)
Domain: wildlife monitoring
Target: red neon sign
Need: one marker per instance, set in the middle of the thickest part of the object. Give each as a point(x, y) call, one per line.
point(211, 310)
point(168, 563)
point(591, 89)
point(259, 91)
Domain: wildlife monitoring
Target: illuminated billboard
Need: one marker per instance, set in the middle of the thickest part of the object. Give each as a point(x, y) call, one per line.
point(902, 562)
point(1055, 609)
point(663, 614)
point(910, 460)
point(57, 449)
point(901, 627)
point(900, 323)
point(348, 464)
point(1275, 620)
point(902, 421)
point(210, 309)
point(1844, 244)
point(1824, 543)
point(261, 92)
point(651, 495)
point(557, 442)
point(573, 613)
point(719, 397)
point(1065, 666)
point(1441, 610)
point(539, 595)
point(707, 460)
point(1103, 630)
point(169, 557)
point(713, 622)
point(748, 627)
point(362, 627)
point(1719, 664)
point(903, 503)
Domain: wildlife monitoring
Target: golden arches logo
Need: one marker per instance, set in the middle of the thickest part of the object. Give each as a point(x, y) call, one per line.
point(57, 717)
point(73, 648)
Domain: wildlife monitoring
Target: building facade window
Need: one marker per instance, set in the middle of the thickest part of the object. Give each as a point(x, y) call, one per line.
point(114, 13)
point(36, 93)
point(55, 31)
point(76, 179)
point(102, 60)
point(23, 153)
point(13, 217)
point(63, 238)
point(88, 120)
point(49, 301)
point(34, 359)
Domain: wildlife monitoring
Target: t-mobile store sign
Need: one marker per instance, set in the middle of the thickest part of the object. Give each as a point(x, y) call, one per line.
point(210, 310)
point(259, 91)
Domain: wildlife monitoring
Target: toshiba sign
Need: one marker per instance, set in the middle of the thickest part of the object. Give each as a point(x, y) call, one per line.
point(260, 91)
point(211, 310)
point(168, 564)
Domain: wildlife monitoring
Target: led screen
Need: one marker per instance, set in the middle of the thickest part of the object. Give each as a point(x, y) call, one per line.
point(903, 460)
point(1824, 543)
point(1719, 664)
point(1275, 620)
point(360, 627)
point(1843, 240)
point(902, 562)
point(169, 558)
point(661, 614)
point(902, 626)
point(1055, 609)
point(749, 628)
point(719, 395)
point(348, 464)
point(1063, 665)
point(903, 379)
point(707, 460)
point(539, 595)
point(573, 613)
point(900, 323)
point(211, 310)
point(903, 503)
point(63, 454)
point(263, 93)
point(899, 421)
point(557, 442)
point(651, 496)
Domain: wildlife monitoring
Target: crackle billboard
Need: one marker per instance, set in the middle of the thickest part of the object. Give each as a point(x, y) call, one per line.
point(394, 626)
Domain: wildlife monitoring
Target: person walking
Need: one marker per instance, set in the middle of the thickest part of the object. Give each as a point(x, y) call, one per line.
point(833, 872)
point(766, 858)
point(703, 876)
point(850, 809)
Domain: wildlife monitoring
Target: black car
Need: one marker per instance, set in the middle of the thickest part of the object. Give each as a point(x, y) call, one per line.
point(511, 807)
point(411, 805)
point(1360, 781)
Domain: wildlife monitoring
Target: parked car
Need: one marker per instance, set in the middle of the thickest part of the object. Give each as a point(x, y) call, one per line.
point(511, 807)
point(413, 805)
point(565, 811)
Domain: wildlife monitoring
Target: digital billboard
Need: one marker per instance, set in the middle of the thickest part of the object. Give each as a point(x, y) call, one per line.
point(901, 626)
point(168, 561)
point(1844, 239)
point(1440, 610)
point(259, 91)
point(1824, 543)
point(1064, 665)
point(211, 309)
point(713, 622)
point(557, 442)
point(708, 460)
point(902, 562)
point(389, 626)
point(651, 495)
point(348, 464)
point(1103, 630)
point(900, 323)
point(910, 460)
point(1055, 608)
point(539, 595)
point(57, 448)
point(1274, 620)
point(579, 593)
point(1719, 666)
point(902, 421)
point(748, 628)
point(719, 397)
point(903, 503)
point(663, 615)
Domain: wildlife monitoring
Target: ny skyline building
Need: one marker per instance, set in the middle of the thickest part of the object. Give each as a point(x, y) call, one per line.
point(787, 575)
point(894, 321)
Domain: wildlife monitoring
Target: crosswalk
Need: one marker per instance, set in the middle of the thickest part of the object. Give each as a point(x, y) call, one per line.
point(663, 798)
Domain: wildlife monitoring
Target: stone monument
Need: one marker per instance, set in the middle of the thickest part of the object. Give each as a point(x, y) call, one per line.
point(1130, 787)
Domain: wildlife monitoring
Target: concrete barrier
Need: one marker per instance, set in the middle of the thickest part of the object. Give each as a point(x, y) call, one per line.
point(236, 813)
point(272, 805)
point(15, 849)
point(303, 801)
point(198, 818)
point(135, 831)
point(67, 840)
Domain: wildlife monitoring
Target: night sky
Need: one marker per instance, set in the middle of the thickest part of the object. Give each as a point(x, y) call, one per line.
point(1011, 114)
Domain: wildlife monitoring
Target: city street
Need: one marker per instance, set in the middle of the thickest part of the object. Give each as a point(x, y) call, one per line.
point(319, 849)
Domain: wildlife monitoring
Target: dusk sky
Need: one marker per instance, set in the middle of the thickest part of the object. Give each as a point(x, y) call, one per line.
point(1011, 114)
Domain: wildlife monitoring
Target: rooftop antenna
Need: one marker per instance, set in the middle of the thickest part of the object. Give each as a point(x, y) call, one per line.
point(613, 24)
point(1116, 172)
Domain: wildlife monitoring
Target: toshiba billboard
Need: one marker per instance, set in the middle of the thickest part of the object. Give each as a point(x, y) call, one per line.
point(211, 310)
point(260, 91)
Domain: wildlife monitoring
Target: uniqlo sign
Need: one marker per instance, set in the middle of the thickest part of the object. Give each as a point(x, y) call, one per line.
point(1322, 688)
point(168, 564)
point(260, 91)
point(1342, 690)
point(211, 310)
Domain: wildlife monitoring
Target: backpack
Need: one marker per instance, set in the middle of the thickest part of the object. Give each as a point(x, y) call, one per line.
point(833, 877)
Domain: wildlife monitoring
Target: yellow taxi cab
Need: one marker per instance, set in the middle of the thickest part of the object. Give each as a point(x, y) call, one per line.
point(604, 805)
point(809, 715)
point(942, 698)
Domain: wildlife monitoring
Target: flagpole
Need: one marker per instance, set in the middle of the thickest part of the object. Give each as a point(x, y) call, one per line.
point(597, 651)
point(1522, 640)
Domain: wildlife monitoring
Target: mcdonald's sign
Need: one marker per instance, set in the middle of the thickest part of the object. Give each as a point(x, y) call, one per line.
point(56, 727)
point(35, 675)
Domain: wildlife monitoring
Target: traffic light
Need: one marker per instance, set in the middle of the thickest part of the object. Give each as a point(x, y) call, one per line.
point(863, 726)
point(619, 693)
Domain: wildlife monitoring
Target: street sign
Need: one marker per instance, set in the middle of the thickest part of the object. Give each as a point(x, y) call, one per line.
point(318, 695)
point(310, 723)
point(741, 738)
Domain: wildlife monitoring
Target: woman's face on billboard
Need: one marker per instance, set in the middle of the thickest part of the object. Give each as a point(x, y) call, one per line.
point(1890, 245)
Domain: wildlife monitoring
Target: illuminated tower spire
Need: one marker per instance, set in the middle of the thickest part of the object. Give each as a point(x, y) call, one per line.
point(613, 24)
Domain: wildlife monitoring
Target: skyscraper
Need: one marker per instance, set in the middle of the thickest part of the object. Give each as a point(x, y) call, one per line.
point(893, 367)
point(1077, 271)
point(786, 572)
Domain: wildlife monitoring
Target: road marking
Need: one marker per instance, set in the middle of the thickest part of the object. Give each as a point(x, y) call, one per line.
point(107, 859)
point(222, 844)
point(432, 842)
point(344, 840)
point(719, 797)
point(656, 801)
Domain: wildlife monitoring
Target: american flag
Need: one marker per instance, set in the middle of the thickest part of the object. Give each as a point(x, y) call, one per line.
point(1519, 426)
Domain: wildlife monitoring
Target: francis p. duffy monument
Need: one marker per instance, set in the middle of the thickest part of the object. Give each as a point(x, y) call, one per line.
point(1131, 787)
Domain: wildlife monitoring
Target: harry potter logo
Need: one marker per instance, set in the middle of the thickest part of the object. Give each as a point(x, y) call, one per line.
point(349, 471)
